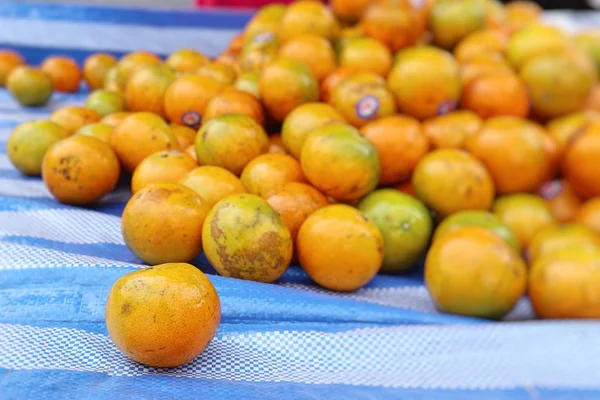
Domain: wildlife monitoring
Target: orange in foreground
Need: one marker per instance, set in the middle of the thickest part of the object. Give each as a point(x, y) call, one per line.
point(187, 97)
point(556, 238)
point(400, 143)
point(580, 163)
point(95, 68)
point(163, 316)
point(73, 118)
point(268, 172)
point(474, 272)
point(453, 129)
point(64, 72)
point(339, 248)
point(164, 166)
point(589, 215)
point(497, 95)
point(163, 223)
point(80, 170)
point(212, 183)
point(185, 135)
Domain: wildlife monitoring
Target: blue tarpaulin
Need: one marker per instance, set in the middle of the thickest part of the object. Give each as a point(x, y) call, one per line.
point(289, 340)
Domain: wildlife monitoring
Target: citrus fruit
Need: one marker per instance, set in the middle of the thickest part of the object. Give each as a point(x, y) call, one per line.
point(496, 95)
point(481, 219)
point(450, 180)
point(483, 65)
point(163, 316)
point(564, 129)
point(111, 80)
point(400, 143)
point(356, 169)
point(212, 183)
point(258, 52)
point(525, 214)
point(31, 87)
point(269, 172)
point(562, 200)
point(294, 202)
point(485, 41)
point(245, 238)
point(334, 79)
point(230, 141)
point(185, 135)
point(425, 81)
point(366, 55)
point(285, 84)
point(339, 248)
point(73, 118)
point(302, 121)
point(593, 101)
point(453, 129)
point(187, 97)
point(589, 41)
point(95, 68)
point(186, 60)
point(314, 51)
point(308, 16)
point(535, 40)
point(589, 215)
point(163, 223)
point(562, 284)
point(404, 223)
point(222, 73)
point(191, 151)
point(64, 72)
point(80, 170)
point(146, 88)
point(396, 24)
point(512, 149)
point(139, 135)
point(276, 144)
point(130, 63)
point(561, 237)
point(105, 102)
point(163, 166)
point(97, 130)
point(580, 163)
point(349, 11)
point(521, 14)
point(232, 101)
point(363, 97)
point(474, 272)
point(115, 118)
point(496, 16)
point(9, 60)
point(29, 142)
point(247, 82)
point(266, 19)
point(453, 20)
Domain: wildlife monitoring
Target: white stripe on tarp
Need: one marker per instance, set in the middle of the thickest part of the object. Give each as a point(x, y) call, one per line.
point(95, 37)
point(494, 356)
point(4, 161)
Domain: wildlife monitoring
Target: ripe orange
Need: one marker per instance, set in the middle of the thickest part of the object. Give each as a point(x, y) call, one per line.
point(9, 60)
point(366, 55)
point(564, 129)
point(593, 100)
point(266, 19)
point(562, 200)
point(247, 82)
point(187, 97)
point(95, 68)
point(64, 72)
point(185, 136)
point(425, 81)
point(453, 20)
point(285, 84)
point(481, 42)
point(97, 130)
point(557, 238)
point(513, 151)
point(259, 51)
point(111, 80)
point(482, 65)
point(334, 79)
point(400, 143)
point(496, 95)
point(163, 166)
point(230, 141)
point(496, 17)
point(115, 119)
point(222, 73)
point(450, 180)
point(474, 272)
point(232, 101)
point(356, 169)
point(580, 163)
point(308, 16)
point(130, 62)
point(139, 135)
point(521, 14)
point(453, 129)
point(339, 248)
point(186, 60)
point(535, 40)
point(73, 118)
point(349, 11)
point(276, 144)
point(31, 87)
point(212, 183)
point(268, 172)
point(397, 25)
point(105, 102)
point(589, 215)
point(315, 51)
point(146, 88)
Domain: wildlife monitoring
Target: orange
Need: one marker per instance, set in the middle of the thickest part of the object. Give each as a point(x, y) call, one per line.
point(187, 97)
point(64, 72)
point(525, 214)
point(589, 214)
point(212, 183)
point(453, 129)
point(230, 141)
point(268, 172)
point(404, 223)
point(31, 87)
point(245, 238)
point(97, 130)
point(553, 154)
point(222, 73)
point(266, 19)
point(562, 200)
point(80, 170)
point(400, 143)
point(481, 42)
point(356, 169)
point(259, 51)
point(308, 16)
point(339, 248)
point(521, 14)
point(482, 65)
point(130, 62)
point(474, 272)
point(29, 142)
point(235, 45)
point(453, 20)
point(580, 163)
point(314, 51)
point(593, 100)
point(366, 55)
point(276, 144)
point(160, 167)
point(589, 41)
point(397, 25)
point(496, 95)
point(111, 80)
point(9, 60)
point(533, 41)
point(232, 101)
point(139, 135)
point(186, 60)
point(115, 119)
point(95, 68)
point(562, 285)
point(363, 97)
point(557, 238)
point(349, 11)
point(73, 118)
point(294, 202)
point(425, 81)
point(105, 102)
point(163, 316)
point(185, 136)
point(450, 180)
point(163, 223)
point(334, 79)
point(191, 151)
point(146, 88)
point(496, 17)
point(513, 151)
point(564, 129)
point(247, 82)
point(285, 84)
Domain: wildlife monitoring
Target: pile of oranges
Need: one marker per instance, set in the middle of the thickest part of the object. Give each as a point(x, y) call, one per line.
point(352, 139)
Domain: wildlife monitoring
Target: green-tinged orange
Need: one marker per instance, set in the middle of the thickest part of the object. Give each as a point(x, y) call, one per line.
point(105, 102)
point(213, 183)
point(98, 130)
point(31, 87)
